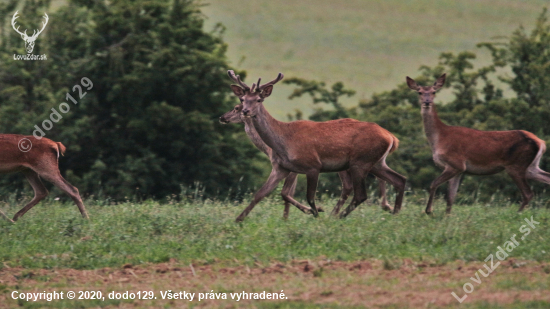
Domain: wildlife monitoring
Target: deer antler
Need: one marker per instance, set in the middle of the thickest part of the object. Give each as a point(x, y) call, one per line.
point(271, 83)
point(43, 27)
point(13, 25)
point(237, 79)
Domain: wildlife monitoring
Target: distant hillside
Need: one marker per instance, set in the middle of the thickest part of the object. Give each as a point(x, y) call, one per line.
point(369, 45)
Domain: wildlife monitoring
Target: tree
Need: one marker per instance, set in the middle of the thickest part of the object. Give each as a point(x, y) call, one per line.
point(149, 124)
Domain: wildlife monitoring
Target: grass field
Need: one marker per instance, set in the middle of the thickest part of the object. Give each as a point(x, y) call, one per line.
point(370, 45)
point(132, 246)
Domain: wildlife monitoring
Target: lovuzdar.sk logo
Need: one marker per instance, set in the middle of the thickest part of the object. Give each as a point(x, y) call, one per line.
point(29, 40)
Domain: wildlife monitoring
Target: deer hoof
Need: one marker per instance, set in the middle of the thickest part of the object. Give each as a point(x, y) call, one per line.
point(387, 208)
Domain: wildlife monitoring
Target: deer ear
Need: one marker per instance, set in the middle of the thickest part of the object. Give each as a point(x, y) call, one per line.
point(440, 81)
point(266, 92)
point(237, 90)
point(412, 84)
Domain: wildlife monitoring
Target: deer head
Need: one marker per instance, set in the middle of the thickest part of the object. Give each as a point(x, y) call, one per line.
point(427, 93)
point(253, 97)
point(29, 40)
point(233, 116)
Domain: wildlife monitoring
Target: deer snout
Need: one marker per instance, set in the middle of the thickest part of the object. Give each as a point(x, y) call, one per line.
point(246, 112)
point(222, 120)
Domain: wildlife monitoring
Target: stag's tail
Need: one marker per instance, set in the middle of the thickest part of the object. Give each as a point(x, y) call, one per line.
point(60, 149)
point(395, 144)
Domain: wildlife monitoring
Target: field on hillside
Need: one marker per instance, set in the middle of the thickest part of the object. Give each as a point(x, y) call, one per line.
point(370, 45)
point(196, 246)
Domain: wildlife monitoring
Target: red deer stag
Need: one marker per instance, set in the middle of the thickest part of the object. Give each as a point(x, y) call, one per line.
point(235, 116)
point(35, 161)
point(463, 150)
point(307, 147)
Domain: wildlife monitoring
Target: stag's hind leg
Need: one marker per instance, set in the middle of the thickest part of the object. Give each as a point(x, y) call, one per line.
point(520, 179)
point(360, 191)
point(384, 173)
point(6, 217)
point(40, 192)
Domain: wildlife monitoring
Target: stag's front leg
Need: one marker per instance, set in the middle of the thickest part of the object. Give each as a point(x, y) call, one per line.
point(287, 194)
point(277, 174)
point(312, 179)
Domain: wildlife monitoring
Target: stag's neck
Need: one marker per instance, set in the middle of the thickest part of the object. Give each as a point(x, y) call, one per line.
point(255, 137)
point(433, 126)
point(270, 130)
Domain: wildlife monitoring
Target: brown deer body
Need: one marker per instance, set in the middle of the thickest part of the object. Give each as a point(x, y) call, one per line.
point(287, 193)
point(461, 150)
point(310, 148)
point(39, 161)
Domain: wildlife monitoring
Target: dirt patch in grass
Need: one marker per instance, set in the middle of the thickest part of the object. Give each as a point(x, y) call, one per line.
point(372, 283)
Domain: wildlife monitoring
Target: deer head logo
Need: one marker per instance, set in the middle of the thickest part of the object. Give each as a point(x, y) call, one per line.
point(29, 40)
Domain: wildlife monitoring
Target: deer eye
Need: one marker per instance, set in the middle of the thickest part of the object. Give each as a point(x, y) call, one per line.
point(419, 92)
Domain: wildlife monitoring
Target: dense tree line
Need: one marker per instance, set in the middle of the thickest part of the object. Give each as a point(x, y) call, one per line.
point(149, 124)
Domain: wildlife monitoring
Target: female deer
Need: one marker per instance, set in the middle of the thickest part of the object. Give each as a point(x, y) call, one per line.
point(463, 150)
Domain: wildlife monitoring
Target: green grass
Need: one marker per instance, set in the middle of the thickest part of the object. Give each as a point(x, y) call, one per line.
point(53, 235)
point(370, 45)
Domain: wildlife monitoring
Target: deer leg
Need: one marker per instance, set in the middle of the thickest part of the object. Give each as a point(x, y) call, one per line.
point(384, 202)
point(57, 180)
point(312, 179)
point(347, 187)
point(40, 192)
point(521, 181)
point(359, 188)
point(447, 174)
point(287, 194)
point(277, 174)
point(384, 173)
point(539, 175)
point(454, 183)
point(6, 217)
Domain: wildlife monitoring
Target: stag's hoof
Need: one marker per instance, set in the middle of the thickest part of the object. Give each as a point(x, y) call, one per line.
point(387, 208)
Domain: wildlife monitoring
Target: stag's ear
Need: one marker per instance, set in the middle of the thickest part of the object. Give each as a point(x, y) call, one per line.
point(266, 92)
point(237, 90)
point(412, 84)
point(440, 81)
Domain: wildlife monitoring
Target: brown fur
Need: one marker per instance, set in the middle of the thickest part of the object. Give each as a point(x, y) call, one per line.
point(308, 147)
point(287, 193)
point(41, 161)
point(463, 150)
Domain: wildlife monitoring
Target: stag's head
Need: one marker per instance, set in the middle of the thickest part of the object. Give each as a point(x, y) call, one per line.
point(427, 93)
point(233, 116)
point(252, 97)
point(29, 40)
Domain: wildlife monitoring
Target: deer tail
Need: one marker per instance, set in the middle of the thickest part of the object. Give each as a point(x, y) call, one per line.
point(395, 144)
point(60, 149)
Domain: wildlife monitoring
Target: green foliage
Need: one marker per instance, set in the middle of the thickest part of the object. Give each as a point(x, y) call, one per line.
point(149, 124)
point(53, 234)
point(477, 101)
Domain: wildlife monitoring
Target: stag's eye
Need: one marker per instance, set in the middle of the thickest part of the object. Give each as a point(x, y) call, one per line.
point(419, 92)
